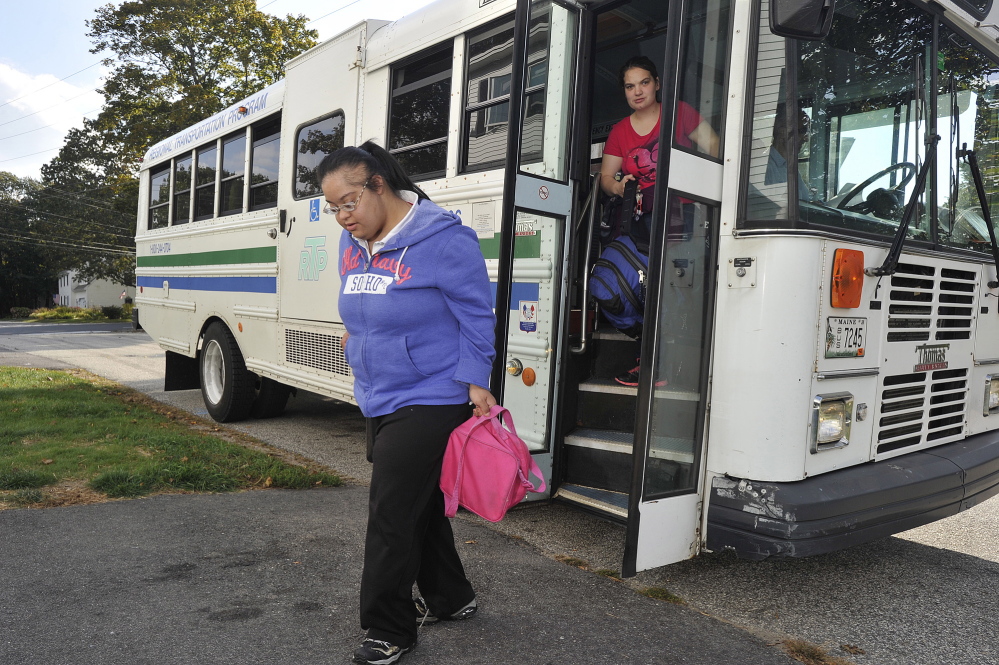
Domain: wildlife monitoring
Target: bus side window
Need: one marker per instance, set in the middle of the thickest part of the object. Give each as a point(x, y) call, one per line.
point(159, 197)
point(313, 142)
point(182, 189)
point(233, 163)
point(487, 96)
point(420, 106)
point(207, 166)
point(264, 157)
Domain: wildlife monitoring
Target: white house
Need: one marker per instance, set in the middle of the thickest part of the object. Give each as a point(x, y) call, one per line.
point(97, 293)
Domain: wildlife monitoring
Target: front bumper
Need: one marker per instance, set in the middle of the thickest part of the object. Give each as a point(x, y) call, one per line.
point(854, 505)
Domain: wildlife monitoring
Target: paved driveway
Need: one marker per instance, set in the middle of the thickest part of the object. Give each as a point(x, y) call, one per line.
point(925, 597)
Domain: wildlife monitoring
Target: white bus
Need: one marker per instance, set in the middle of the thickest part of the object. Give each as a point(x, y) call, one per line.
point(820, 357)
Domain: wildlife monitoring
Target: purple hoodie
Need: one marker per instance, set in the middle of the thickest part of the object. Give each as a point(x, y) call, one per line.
point(419, 314)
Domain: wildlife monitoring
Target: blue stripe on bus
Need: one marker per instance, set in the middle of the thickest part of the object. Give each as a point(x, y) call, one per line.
point(519, 291)
point(240, 284)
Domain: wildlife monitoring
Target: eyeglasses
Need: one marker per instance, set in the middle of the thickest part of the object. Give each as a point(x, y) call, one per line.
point(346, 207)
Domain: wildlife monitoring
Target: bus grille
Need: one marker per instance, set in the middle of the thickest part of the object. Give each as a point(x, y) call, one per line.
point(921, 408)
point(322, 352)
point(924, 307)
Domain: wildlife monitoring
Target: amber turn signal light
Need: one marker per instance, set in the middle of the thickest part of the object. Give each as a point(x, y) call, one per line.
point(847, 278)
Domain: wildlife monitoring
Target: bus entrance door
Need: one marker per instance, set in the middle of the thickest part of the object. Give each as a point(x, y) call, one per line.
point(664, 506)
point(537, 204)
point(632, 448)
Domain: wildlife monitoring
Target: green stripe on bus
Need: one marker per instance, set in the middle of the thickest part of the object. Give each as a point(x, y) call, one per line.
point(216, 258)
point(524, 247)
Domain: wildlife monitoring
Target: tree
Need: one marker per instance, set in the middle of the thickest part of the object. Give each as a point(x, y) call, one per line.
point(26, 276)
point(173, 62)
point(179, 61)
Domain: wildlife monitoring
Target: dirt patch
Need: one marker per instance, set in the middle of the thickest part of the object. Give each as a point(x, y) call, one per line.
point(68, 493)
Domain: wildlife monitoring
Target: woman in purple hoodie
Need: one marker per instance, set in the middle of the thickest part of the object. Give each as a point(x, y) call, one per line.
point(417, 305)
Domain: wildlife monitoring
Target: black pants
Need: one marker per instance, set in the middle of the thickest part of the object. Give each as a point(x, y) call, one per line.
point(409, 539)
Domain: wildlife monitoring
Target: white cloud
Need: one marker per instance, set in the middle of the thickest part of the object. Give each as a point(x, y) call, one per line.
point(37, 112)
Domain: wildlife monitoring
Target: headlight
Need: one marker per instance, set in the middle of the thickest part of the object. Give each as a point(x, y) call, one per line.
point(991, 402)
point(832, 416)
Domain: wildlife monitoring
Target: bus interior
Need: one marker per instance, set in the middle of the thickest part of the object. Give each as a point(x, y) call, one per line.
point(596, 467)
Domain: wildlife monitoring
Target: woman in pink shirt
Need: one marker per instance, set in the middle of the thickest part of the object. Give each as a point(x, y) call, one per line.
point(632, 149)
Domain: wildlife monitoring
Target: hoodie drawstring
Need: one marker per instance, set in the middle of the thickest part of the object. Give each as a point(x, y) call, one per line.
point(399, 262)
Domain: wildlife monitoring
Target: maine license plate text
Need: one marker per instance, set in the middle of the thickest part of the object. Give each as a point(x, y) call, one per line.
point(845, 338)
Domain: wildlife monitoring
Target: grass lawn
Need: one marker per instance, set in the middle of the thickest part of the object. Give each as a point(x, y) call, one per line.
point(72, 437)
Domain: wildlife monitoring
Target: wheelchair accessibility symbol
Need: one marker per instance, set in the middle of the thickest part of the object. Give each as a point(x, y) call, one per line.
point(314, 210)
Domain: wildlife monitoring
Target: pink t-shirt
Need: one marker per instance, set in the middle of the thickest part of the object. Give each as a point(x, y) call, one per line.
point(639, 153)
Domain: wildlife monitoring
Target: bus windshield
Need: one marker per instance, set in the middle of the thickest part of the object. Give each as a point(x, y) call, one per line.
point(865, 103)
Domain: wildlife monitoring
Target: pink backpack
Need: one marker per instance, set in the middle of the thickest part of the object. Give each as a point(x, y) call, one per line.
point(486, 467)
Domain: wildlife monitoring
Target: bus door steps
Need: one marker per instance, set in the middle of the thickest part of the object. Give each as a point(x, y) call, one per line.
point(605, 502)
point(677, 449)
point(613, 335)
point(614, 353)
point(612, 387)
point(606, 404)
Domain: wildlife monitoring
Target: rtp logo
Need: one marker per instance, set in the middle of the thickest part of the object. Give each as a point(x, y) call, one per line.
point(314, 210)
point(313, 259)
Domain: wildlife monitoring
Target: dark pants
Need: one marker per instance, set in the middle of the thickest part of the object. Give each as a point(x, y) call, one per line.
point(409, 539)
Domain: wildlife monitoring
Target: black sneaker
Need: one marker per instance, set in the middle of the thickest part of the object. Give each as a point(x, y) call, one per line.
point(424, 616)
point(629, 378)
point(377, 652)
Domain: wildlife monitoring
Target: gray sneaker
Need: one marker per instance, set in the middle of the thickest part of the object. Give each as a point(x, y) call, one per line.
point(378, 652)
point(424, 616)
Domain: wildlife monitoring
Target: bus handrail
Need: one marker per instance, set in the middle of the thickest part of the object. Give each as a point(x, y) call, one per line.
point(584, 313)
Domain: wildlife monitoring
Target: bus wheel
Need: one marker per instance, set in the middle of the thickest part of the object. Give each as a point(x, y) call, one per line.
point(226, 384)
point(272, 397)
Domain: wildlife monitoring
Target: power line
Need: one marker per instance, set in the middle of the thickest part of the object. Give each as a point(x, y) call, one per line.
point(92, 243)
point(72, 219)
point(92, 189)
point(50, 84)
point(112, 234)
point(14, 159)
point(42, 127)
point(82, 248)
point(86, 92)
point(61, 194)
point(333, 12)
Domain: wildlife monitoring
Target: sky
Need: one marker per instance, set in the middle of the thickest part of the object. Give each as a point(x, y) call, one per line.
point(49, 77)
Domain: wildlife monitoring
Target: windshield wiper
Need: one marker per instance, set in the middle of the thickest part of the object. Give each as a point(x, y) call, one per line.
point(891, 261)
point(972, 160)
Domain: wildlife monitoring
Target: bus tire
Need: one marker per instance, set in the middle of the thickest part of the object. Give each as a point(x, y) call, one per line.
point(272, 397)
point(226, 385)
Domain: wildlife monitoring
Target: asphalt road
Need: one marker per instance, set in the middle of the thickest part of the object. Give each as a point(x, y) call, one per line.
point(925, 597)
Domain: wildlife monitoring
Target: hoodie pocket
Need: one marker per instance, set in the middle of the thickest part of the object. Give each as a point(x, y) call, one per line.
point(390, 363)
point(430, 357)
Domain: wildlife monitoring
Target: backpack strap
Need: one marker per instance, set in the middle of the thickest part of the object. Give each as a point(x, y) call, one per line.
point(628, 255)
point(622, 282)
point(527, 459)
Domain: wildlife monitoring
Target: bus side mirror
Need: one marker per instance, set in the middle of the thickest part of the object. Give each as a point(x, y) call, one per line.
point(801, 19)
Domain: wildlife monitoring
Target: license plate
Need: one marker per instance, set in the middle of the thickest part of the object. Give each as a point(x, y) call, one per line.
point(845, 338)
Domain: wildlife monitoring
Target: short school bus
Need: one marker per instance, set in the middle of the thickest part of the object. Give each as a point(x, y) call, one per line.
point(820, 357)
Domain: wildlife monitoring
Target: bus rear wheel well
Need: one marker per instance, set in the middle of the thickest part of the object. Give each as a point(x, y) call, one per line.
point(232, 392)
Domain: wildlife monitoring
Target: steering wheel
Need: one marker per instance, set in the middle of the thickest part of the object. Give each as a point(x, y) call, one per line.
point(858, 189)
